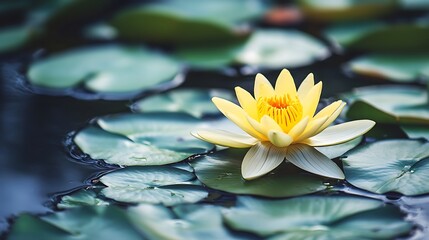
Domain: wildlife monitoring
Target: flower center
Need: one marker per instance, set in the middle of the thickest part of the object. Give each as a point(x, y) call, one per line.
point(285, 110)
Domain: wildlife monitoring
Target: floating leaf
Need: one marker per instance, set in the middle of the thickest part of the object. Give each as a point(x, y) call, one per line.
point(389, 165)
point(178, 22)
point(382, 37)
point(12, 38)
point(191, 222)
point(395, 67)
point(107, 222)
point(106, 69)
point(317, 217)
point(81, 198)
point(389, 104)
point(416, 131)
point(196, 102)
point(280, 48)
point(165, 185)
point(222, 171)
point(338, 150)
point(142, 139)
point(210, 57)
point(346, 10)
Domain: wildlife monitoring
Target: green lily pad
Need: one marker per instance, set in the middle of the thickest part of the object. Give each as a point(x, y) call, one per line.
point(317, 217)
point(394, 67)
point(59, 14)
point(107, 222)
point(196, 102)
point(142, 139)
point(81, 198)
point(12, 38)
point(389, 165)
point(382, 37)
point(416, 131)
point(389, 104)
point(210, 57)
point(222, 171)
point(281, 48)
point(182, 222)
point(104, 69)
point(166, 185)
point(346, 10)
point(178, 22)
point(338, 150)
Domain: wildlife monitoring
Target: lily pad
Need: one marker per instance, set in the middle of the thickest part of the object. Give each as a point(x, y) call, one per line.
point(416, 131)
point(338, 150)
point(196, 102)
point(191, 222)
point(178, 22)
point(12, 38)
point(142, 139)
point(389, 166)
point(394, 67)
point(346, 10)
point(317, 217)
point(104, 69)
point(81, 198)
point(222, 171)
point(107, 222)
point(371, 36)
point(166, 185)
point(389, 104)
point(212, 56)
point(281, 48)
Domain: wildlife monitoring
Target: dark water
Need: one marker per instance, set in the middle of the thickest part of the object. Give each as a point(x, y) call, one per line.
point(33, 161)
point(35, 166)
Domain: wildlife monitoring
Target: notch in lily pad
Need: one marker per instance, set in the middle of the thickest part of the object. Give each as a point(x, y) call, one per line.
point(108, 72)
point(142, 139)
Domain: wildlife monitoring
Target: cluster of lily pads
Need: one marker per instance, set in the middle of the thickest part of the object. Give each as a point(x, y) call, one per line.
point(162, 183)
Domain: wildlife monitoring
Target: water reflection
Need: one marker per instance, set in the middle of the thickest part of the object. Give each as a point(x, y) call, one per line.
point(33, 163)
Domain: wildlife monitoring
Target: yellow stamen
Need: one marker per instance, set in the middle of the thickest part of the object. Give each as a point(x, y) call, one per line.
point(285, 110)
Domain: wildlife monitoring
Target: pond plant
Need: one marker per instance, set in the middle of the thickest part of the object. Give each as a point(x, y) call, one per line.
point(187, 159)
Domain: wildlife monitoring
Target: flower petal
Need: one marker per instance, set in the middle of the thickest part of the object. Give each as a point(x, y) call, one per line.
point(260, 160)
point(309, 103)
point(279, 139)
point(270, 123)
point(311, 160)
point(332, 117)
point(340, 133)
point(237, 115)
point(285, 84)
point(257, 126)
point(311, 128)
point(299, 128)
point(305, 86)
point(247, 102)
point(263, 87)
point(225, 138)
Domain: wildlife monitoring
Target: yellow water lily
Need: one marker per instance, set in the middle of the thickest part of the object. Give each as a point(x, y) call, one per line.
point(281, 124)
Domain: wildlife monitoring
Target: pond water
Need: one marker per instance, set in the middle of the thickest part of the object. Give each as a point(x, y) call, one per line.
point(36, 167)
